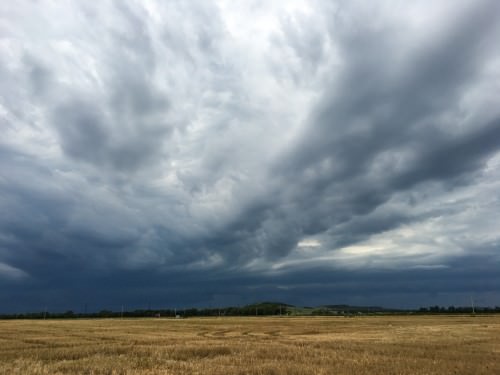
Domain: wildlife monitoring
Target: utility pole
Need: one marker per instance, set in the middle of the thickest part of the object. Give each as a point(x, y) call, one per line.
point(122, 312)
point(472, 304)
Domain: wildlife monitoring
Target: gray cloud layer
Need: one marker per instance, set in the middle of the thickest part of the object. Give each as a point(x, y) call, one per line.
point(204, 152)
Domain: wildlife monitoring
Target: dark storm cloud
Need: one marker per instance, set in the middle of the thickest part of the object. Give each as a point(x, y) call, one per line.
point(372, 115)
point(85, 132)
point(283, 152)
point(452, 158)
point(138, 289)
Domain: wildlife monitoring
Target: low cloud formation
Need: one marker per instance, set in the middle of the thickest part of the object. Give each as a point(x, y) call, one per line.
point(218, 152)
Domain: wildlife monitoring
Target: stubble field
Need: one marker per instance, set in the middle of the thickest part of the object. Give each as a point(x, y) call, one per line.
point(332, 345)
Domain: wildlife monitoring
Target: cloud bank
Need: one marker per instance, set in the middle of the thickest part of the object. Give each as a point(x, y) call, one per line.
point(220, 152)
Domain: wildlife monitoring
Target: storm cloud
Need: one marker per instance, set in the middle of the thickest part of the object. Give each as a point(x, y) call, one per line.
point(195, 153)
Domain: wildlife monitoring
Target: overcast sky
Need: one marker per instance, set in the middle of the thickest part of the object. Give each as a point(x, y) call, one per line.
point(205, 153)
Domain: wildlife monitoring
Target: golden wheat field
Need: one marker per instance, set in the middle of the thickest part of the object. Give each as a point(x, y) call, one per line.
point(309, 345)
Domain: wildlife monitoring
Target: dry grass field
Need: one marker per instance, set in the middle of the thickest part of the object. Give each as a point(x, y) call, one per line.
point(333, 345)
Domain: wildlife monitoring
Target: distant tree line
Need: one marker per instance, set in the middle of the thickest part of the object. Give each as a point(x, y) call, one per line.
point(458, 310)
point(258, 309)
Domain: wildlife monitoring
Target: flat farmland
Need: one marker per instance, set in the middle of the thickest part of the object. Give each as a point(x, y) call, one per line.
point(308, 345)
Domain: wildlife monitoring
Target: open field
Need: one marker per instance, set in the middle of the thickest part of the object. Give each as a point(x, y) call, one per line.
point(312, 345)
